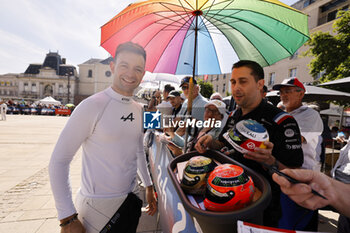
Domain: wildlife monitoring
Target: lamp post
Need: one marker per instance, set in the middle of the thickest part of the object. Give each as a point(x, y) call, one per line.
point(68, 86)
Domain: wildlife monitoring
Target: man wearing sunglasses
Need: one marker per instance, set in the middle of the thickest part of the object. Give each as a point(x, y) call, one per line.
point(198, 100)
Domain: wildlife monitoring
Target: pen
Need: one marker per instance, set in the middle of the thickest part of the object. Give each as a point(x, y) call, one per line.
point(273, 169)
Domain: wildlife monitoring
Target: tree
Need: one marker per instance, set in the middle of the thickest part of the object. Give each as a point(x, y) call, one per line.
point(331, 53)
point(206, 88)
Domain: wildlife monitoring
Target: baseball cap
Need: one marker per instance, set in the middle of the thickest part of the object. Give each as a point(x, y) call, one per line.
point(221, 106)
point(187, 80)
point(173, 93)
point(289, 82)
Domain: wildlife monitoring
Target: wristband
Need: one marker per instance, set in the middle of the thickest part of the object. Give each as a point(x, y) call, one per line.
point(75, 217)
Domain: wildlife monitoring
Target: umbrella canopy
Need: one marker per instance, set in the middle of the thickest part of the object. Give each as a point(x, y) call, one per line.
point(70, 105)
point(159, 80)
point(339, 84)
point(316, 93)
point(207, 36)
point(334, 112)
point(49, 100)
point(161, 77)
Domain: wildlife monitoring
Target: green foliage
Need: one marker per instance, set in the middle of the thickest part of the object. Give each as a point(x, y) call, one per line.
point(206, 88)
point(332, 53)
point(228, 93)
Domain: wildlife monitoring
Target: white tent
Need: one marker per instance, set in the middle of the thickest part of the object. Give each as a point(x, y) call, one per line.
point(49, 100)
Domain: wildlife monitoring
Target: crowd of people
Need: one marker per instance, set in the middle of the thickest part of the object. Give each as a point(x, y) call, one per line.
point(30, 108)
point(108, 127)
point(297, 137)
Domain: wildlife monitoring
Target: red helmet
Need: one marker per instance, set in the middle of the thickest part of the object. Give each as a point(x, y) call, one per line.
point(229, 188)
point(195, 174)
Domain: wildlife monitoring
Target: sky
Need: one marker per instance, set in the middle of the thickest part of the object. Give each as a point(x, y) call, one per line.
point(29, 29)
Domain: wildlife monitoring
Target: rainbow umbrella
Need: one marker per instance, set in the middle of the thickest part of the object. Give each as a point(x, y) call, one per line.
point(207, 36)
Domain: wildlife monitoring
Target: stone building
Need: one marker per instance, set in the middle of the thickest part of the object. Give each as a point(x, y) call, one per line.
point(51, 78)
point(322, 14)
point(94, 76)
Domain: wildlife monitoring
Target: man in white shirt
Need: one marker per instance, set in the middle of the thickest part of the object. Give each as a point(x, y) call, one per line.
point(3, 109)
point(310, 123)
point(108, 126)
point(311, 126)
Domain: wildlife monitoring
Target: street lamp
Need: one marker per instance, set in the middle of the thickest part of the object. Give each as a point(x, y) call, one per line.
point(68, 86)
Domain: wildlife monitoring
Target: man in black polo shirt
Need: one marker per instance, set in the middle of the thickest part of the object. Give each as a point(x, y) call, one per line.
point(284, 148)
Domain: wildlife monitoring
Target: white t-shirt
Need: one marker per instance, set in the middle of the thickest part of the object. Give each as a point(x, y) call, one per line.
point(108, 126)
point(311, 127)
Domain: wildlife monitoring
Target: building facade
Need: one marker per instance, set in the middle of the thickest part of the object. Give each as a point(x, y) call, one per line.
point(51, 78)
point(94, 76)
point(322, 14)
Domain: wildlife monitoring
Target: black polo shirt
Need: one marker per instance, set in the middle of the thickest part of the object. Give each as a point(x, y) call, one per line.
point(284, 133)
point(176, 111)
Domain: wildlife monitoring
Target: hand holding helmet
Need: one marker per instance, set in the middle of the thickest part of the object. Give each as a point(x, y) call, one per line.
point(251, 139)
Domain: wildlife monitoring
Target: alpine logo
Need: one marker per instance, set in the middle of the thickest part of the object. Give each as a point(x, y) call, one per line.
point(130, 117)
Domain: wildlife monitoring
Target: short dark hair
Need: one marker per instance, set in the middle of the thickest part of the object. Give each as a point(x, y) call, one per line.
point(257, 70)
point(168, 88)
point(130, 47)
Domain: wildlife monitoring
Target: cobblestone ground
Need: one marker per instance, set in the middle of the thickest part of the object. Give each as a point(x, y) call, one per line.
point(26, 201)
point(14, 197)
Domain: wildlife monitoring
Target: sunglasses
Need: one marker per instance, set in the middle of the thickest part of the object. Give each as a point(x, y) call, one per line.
point(184, 88)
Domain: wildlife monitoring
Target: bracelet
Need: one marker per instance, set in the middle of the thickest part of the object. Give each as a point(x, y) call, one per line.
point(75, 217)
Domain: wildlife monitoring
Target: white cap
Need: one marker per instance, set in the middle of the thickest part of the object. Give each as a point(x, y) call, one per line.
point(221, 106)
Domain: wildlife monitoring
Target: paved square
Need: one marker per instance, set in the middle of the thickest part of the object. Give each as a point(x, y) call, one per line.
point(26, 201)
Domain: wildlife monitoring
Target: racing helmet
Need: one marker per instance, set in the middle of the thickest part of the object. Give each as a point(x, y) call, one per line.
point(195, 174)
point(229, 188)
point(246, 135)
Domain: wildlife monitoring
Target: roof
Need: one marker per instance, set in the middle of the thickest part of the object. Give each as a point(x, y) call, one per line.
point(107, 61)
point(92, 61)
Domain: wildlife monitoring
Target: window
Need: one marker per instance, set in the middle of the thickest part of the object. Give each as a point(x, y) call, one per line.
point(308, 2)
point(26, 87)
point(33, 87)
point(224, 88)
point(60, 89)
point(90, 74)
point(292, 72)
point(272, 77)
point(331, 16)
point(217, 88)
point(224, 76)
